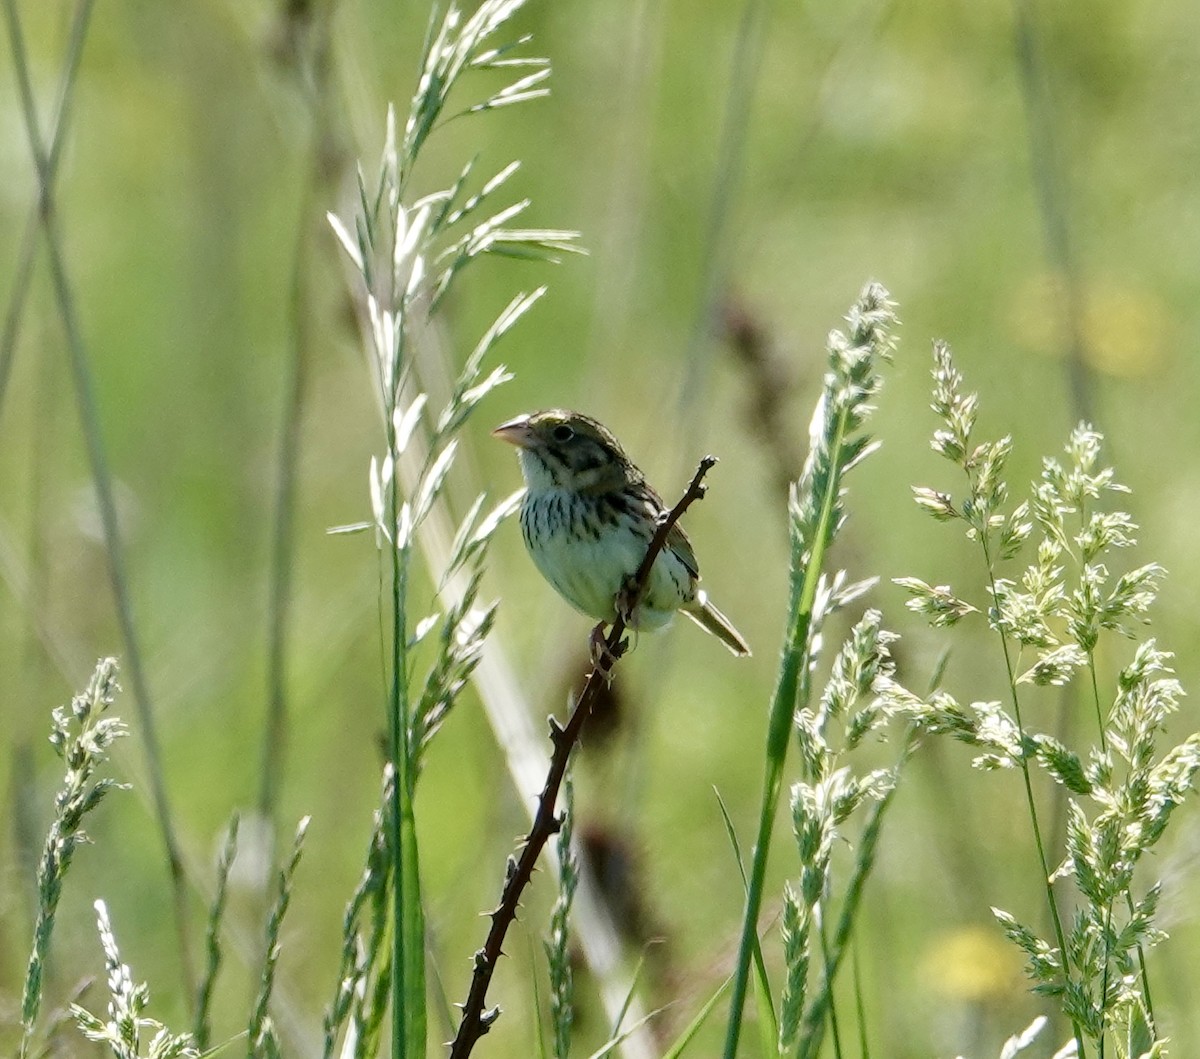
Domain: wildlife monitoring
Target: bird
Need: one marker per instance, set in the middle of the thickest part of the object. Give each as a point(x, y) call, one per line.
point(588, 516)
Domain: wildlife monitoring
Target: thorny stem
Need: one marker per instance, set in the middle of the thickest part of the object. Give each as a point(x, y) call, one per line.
point(476, 1021)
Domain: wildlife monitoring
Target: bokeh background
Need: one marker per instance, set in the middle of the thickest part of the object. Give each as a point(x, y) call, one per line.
point(1023, 178)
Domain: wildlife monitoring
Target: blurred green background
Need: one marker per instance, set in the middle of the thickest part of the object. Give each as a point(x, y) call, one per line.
point(1023, 178)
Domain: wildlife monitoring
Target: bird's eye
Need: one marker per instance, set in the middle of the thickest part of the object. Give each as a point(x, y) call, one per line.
point(563, 433)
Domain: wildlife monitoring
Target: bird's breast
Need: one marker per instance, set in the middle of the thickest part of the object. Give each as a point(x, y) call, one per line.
point(588, 547)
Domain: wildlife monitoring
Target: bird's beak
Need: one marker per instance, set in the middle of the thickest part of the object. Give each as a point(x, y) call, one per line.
point(515, 432)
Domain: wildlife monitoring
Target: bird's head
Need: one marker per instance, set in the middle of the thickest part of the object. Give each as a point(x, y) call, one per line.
point(567, 450)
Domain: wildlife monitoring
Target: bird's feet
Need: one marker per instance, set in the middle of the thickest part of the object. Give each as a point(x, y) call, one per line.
point(603, 656)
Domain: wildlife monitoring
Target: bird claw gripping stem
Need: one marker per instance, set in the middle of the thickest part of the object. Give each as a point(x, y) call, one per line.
point(605, 657)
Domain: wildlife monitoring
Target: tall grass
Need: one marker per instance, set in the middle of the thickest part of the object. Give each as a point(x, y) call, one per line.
point(81, 736)
point(409, 250)
point(1049, 619)
point(1070, 619)
point(46, 155)
point(816, 511)
point(127, 1025)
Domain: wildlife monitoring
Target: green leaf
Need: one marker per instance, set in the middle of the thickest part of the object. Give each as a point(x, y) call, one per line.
point(681, 1042)
point(762, 984)
point(1140, 1041)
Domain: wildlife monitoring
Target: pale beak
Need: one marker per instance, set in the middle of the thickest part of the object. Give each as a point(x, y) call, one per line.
point(515, 432)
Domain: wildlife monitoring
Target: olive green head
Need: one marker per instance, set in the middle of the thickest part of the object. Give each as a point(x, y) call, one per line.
point(560, 449)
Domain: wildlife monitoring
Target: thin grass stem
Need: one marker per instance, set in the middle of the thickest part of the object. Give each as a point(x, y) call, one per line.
point(860, 1007)
point(823, 934)
point(261, 1029)
point(815, 1019)
point(282, 543)
point(212, 938)
point(779, 725)
point(408, 935)
point(1030, 801)
point(22, 281)
point(766, 1002)
point(1049, 183)
point(295, 390)
point(745, 68)
point(677, 1048)
point(102, 480)
point(1141, 951)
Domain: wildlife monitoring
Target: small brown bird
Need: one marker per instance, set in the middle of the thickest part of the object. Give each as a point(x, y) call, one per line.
point(588, 517)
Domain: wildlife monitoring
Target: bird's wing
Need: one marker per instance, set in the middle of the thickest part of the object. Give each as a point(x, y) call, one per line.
point(678, 542)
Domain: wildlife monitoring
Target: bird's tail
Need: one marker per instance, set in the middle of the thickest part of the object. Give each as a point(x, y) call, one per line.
point(704, 614)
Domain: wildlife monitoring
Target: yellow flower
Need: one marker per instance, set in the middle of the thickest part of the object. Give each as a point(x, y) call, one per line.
point(1124, 329)
point(972, 964)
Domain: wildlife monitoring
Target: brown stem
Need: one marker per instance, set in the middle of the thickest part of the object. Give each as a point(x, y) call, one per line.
point(476, 1021)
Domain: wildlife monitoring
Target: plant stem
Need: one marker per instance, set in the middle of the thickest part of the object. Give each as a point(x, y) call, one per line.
point(1059, 934)
point(408, 948)
point(822, 933)
point(1049, 182)
point(476, 1021)
point(814, 1020)
point(58, 134)
point(102, 480)
point(860, 1010)
point(1145, 974)
point(745, 69)
point(779, 725)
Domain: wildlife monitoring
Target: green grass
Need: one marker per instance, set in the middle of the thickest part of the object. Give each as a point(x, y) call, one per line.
point(184, 412)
